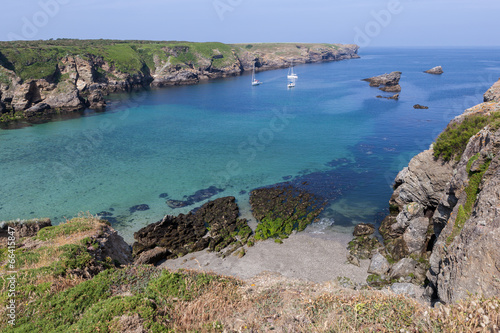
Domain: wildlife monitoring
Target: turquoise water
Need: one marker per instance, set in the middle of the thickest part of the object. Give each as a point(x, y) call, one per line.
point(329, 131)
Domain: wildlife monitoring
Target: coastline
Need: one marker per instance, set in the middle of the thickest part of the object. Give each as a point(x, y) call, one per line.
point(75, 78)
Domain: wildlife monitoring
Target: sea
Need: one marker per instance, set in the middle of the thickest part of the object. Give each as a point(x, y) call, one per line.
point(330, 134)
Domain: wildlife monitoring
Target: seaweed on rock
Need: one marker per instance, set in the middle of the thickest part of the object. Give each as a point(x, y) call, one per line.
point(282, 209)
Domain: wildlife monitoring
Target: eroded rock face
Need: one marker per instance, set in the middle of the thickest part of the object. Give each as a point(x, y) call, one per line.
point(112, 245)
point(467, 259)
point(424, 181)
point(80, 81)
point(493, 94)
point(435, 70)
point(24, 228)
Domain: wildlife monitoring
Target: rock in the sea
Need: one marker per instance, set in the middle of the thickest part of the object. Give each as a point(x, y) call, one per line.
point(493, 94)
point(138, 208)
point(394, 97)
point(389, 82)
point(163, 195)
point(395, 88)
point(418, 106)
point(378, 265)
point(363, 229)
point(198, 196)
point(104, 213)
point(435, 70)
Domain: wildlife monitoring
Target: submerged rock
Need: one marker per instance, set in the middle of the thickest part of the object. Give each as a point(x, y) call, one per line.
point(394, 97)
point(138, 208)
point(435, 70)
point(198, 196)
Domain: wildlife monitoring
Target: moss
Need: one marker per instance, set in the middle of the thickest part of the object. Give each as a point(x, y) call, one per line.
point(471, 161)
point(472, 190)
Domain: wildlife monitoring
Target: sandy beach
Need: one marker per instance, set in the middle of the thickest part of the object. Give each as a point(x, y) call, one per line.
point(308, 256)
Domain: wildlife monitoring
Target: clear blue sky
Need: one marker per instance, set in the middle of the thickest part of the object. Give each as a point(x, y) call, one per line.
point(365, 22)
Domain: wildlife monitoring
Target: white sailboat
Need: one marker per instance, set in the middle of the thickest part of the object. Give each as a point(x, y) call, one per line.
point(291, 75)
point(255, 82)
point(291, 83)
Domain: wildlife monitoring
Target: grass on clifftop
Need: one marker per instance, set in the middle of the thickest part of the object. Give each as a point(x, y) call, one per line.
point(40, 59)
point(452, 142)
point(149, 299)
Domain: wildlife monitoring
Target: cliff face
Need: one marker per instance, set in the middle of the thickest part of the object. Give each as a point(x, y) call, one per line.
point(448, 209)
point(40, 78)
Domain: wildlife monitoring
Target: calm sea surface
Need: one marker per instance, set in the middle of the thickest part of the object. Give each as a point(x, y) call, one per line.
point(329, 134)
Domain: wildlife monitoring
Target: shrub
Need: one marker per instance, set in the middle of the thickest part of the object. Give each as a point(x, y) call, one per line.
point(452, 142)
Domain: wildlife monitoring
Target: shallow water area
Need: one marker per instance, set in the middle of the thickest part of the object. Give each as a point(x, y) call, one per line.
point(329, 134)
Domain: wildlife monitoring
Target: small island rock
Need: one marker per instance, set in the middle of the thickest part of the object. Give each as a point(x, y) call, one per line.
point(435, 70)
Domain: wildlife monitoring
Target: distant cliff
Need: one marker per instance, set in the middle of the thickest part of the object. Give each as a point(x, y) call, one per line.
point(39, 78)
point(445, 220)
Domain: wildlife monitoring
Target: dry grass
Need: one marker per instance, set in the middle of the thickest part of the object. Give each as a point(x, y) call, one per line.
point(274, 303)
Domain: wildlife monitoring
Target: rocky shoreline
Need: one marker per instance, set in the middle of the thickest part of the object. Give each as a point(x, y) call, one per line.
point(37, 86)
point(443, 230)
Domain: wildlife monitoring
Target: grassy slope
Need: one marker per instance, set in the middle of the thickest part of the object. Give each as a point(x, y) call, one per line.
point(38, 59)
point(53, 297)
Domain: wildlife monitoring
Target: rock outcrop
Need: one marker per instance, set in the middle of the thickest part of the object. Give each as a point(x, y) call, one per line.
point(493, 94)
point(389, 82)
point(81, 78)
point(23, 228)
point(435, 70)
point(446, 216)
point(418, 106)
point(215, 225)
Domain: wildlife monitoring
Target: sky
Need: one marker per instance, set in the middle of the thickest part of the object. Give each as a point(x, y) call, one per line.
point(405, 23)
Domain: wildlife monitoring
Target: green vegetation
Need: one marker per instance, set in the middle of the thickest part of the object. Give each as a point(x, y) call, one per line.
point(150, 299)
point(42, 59)
point(453, 141)
point(76, 225)
point(472, 190)
point(283, 209)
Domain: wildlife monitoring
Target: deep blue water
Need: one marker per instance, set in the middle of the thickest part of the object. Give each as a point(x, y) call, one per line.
point(329, 131)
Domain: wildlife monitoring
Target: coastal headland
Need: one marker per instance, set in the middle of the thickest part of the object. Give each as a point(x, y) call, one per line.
point(43, 78)
point(440, 246)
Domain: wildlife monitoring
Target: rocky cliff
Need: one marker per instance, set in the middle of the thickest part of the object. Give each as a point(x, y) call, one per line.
point(446, 207)
point(40, 78)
